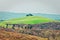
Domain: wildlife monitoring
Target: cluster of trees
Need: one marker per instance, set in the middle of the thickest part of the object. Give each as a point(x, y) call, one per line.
point(29, 15)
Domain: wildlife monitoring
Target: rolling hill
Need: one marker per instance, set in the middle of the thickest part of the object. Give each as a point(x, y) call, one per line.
point(27, 20)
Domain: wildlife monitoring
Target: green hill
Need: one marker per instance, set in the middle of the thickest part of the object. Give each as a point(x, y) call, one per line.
point(27, 20)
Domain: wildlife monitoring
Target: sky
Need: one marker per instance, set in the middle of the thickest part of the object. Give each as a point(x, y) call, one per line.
point(31, 6)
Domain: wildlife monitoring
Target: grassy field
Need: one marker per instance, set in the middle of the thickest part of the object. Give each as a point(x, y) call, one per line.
point(27, 20)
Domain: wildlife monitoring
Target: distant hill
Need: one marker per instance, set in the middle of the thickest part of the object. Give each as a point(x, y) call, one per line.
point(27, 20)
point(11, 15)
point(1, 20)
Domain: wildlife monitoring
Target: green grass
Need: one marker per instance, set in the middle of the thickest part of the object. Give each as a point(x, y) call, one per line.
point(27, 20)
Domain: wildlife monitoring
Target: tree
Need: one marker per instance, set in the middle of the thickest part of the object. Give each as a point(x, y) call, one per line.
point(29, 15)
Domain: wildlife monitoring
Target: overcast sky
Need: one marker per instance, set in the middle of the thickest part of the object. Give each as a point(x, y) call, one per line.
point(30, 6)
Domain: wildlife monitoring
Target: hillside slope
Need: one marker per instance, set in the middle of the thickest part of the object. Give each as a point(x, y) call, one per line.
point(30, 20)
point(27, 20)
point(4, 35)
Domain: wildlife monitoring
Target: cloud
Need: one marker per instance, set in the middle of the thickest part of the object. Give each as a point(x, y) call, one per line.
point(30, 6)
